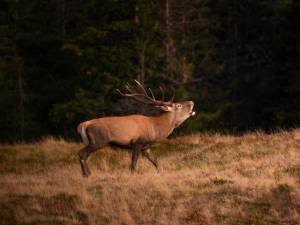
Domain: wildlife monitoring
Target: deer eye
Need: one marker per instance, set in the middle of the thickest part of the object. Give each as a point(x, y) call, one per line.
point(178, 106)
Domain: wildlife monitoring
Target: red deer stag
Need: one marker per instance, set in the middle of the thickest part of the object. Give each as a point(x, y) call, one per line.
point(135, 132)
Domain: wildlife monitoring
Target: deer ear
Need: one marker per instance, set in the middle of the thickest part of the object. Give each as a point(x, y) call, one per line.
point(165, 108)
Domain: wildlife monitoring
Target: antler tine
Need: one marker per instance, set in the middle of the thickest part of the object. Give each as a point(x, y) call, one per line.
point(152, 98)
point(132, 92)
point(142, 97)
point(151, 94)
point(136, 96)
point(126, 95)
point(173, 95)
point(162, 92)
point(118, 90)
point(129, 88)
point(141, 87)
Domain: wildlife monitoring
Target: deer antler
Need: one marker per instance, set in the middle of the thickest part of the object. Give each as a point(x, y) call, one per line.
point(144, 96)
point(173, 95)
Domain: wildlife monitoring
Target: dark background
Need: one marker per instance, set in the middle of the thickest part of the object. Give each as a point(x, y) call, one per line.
point(61, 61)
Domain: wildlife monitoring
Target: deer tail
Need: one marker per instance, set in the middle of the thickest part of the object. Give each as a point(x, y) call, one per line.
point(81, 129)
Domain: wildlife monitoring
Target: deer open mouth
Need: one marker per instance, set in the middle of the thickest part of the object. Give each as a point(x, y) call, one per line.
point(192, 112)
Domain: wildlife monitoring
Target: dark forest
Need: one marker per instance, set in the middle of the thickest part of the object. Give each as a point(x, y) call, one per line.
point(61, 62)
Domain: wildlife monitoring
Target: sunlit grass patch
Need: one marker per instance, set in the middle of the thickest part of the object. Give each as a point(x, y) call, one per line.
point(205, 179)
point(36, 158)
point(273, 207)
point(35, 209)
point(167, 148)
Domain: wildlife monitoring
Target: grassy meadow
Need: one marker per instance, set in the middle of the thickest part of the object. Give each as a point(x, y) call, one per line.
point(204, 179)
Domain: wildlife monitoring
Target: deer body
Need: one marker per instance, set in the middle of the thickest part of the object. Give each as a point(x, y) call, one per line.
point(136, 132)
point(125, 130)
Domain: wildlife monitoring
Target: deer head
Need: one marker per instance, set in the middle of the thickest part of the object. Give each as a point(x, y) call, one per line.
point(179, 111)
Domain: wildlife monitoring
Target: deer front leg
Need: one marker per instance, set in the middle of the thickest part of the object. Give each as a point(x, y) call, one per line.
point(152, 158)
point(134, 157)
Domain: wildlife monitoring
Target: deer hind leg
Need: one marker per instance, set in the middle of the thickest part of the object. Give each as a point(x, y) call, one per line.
point(84, 153)
point(152, 158)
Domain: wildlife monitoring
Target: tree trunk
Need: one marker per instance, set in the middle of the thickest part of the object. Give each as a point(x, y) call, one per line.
point(20, 91)
point(142, 64)
point(168, 41)
point(63, 22)
point(20, 87)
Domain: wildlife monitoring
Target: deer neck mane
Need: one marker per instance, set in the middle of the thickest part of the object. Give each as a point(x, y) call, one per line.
point(164, 124)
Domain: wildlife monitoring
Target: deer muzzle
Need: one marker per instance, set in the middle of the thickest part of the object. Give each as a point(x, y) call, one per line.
point(192, 112)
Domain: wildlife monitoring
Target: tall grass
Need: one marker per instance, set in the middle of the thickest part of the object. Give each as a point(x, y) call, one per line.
point(204, 179)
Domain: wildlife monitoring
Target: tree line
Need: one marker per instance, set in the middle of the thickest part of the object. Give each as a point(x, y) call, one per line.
point(62, 60)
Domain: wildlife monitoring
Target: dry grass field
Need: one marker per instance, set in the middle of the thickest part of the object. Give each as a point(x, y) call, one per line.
point(204, 179)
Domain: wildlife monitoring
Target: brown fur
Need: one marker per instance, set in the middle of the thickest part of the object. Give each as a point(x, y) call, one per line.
point(136, 132)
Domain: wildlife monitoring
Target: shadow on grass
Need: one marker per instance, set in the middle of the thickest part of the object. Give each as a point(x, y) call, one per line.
point(38, 210)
